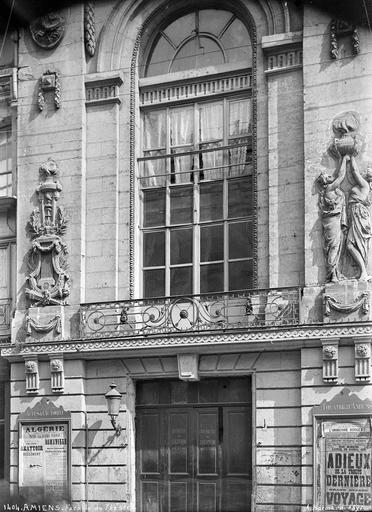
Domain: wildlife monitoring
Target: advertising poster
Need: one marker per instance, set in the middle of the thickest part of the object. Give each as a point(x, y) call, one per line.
point(44, 458)
point(347, 466)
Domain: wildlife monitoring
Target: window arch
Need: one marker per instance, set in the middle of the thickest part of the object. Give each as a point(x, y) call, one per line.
point(196, 166)
point(199, 39)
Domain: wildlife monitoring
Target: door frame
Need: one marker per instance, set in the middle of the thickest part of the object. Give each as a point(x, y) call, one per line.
point(164, 375)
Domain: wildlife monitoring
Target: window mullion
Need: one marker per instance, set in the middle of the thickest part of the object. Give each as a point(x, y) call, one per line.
point(167, 207)
point(196, 213)
point(225, 237)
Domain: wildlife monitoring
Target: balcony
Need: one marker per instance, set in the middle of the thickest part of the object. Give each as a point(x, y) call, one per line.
point(248, 309)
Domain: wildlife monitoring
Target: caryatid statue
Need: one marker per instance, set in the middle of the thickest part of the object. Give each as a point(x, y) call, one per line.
point(347, 226)
point(334, 219)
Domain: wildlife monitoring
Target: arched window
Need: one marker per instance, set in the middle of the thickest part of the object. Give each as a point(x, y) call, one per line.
point(195, 171)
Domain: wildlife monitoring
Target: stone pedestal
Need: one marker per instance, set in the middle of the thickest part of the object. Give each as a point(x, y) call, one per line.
point(347, 301)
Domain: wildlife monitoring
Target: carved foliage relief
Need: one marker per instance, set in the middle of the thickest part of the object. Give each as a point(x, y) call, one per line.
point(48, 281)
point(344, 202)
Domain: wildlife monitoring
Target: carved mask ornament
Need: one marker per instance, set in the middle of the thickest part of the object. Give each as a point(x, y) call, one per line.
point(48, 281)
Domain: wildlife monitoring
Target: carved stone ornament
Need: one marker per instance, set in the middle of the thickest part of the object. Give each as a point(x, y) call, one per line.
point(55, 323)
point(361, 302)
point(57, 379)
point(89, 29)
point(362, 361)
point(49, 283)
point(49, 82)
point(344, 202)
point(330, 361)
point(340, 29)
point(47, 31)
point(32, 375)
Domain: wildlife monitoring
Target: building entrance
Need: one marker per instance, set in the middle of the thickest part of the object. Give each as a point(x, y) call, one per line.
point(194, 445)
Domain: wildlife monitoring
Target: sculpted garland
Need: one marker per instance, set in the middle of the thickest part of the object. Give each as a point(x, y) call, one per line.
point(345, 204)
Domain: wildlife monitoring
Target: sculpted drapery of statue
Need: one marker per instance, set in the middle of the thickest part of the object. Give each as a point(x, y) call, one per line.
point(344, 203)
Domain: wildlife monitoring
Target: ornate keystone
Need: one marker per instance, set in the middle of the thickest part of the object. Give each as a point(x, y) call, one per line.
point(49, 283)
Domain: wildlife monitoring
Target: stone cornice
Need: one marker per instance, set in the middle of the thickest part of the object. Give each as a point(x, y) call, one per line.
point(249, 340)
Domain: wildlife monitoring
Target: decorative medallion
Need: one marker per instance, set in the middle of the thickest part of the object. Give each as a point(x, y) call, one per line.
point(47, 31)
point(49, 283)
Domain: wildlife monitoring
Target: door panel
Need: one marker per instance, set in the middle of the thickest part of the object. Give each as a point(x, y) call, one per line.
point(194, 446)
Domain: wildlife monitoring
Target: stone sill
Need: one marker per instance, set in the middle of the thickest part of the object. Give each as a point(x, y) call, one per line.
point(7, 203)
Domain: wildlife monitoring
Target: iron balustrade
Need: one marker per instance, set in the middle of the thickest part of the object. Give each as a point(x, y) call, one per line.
point(213, 312)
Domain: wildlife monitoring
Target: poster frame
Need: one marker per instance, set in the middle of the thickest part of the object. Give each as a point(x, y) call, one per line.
point(344, 406)
point(45, 412)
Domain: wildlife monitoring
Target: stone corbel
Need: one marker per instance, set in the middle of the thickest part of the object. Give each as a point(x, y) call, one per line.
point(188, 367)
point(49, 82)
point(362, 360)
point(54, 323)
point(57, 374)
point(330, 360)
point(361, 302)
point(32, 375)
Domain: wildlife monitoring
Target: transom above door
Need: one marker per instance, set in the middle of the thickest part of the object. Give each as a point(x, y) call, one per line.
point(193, 446)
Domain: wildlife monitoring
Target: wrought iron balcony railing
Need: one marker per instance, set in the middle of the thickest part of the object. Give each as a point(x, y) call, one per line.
point(225, 311)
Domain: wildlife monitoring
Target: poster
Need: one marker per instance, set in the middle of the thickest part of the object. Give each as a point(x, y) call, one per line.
point(347, 464)
point(44, 458)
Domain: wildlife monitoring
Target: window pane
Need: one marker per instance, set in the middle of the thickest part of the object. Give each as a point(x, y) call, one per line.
point(154, 249)
point(181, 246)
point(180, 29)
point(240, 197)
point(154, 283)
point(160, 58)
point(240, 118)
point(181, 203)
point(198, 53)
point(240, 275)
point(154, 127)
point(181, 281)
point(154, 207)
point(237, 43)
point(211, 243)
point(211, 201)
point(181, 126)
point(211, 278)
point(213, 20)
point(240, 240)
point(211, 122)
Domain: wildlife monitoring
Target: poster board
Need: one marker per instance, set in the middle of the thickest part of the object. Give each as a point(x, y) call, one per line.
point(44, 449)
point(343, 455)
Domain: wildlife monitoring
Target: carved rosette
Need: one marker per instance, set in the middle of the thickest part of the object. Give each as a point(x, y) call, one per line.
point(49, 283)
point(57, 377)
point(330, 361)
point(32, 375)
point(47, 31)
point(362, 361)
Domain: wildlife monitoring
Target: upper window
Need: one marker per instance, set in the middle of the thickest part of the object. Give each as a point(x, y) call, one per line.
point(195, 169)
point(200, 39)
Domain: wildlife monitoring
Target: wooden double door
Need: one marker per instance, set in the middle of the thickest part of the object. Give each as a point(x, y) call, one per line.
point(194, 445)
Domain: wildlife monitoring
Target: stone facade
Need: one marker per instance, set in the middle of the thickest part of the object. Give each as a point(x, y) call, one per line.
point(77, 98)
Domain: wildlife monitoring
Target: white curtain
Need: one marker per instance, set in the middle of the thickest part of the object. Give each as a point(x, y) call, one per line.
point(154, 144)
point(181, 141)
point(211, 136)
point(239, 126)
